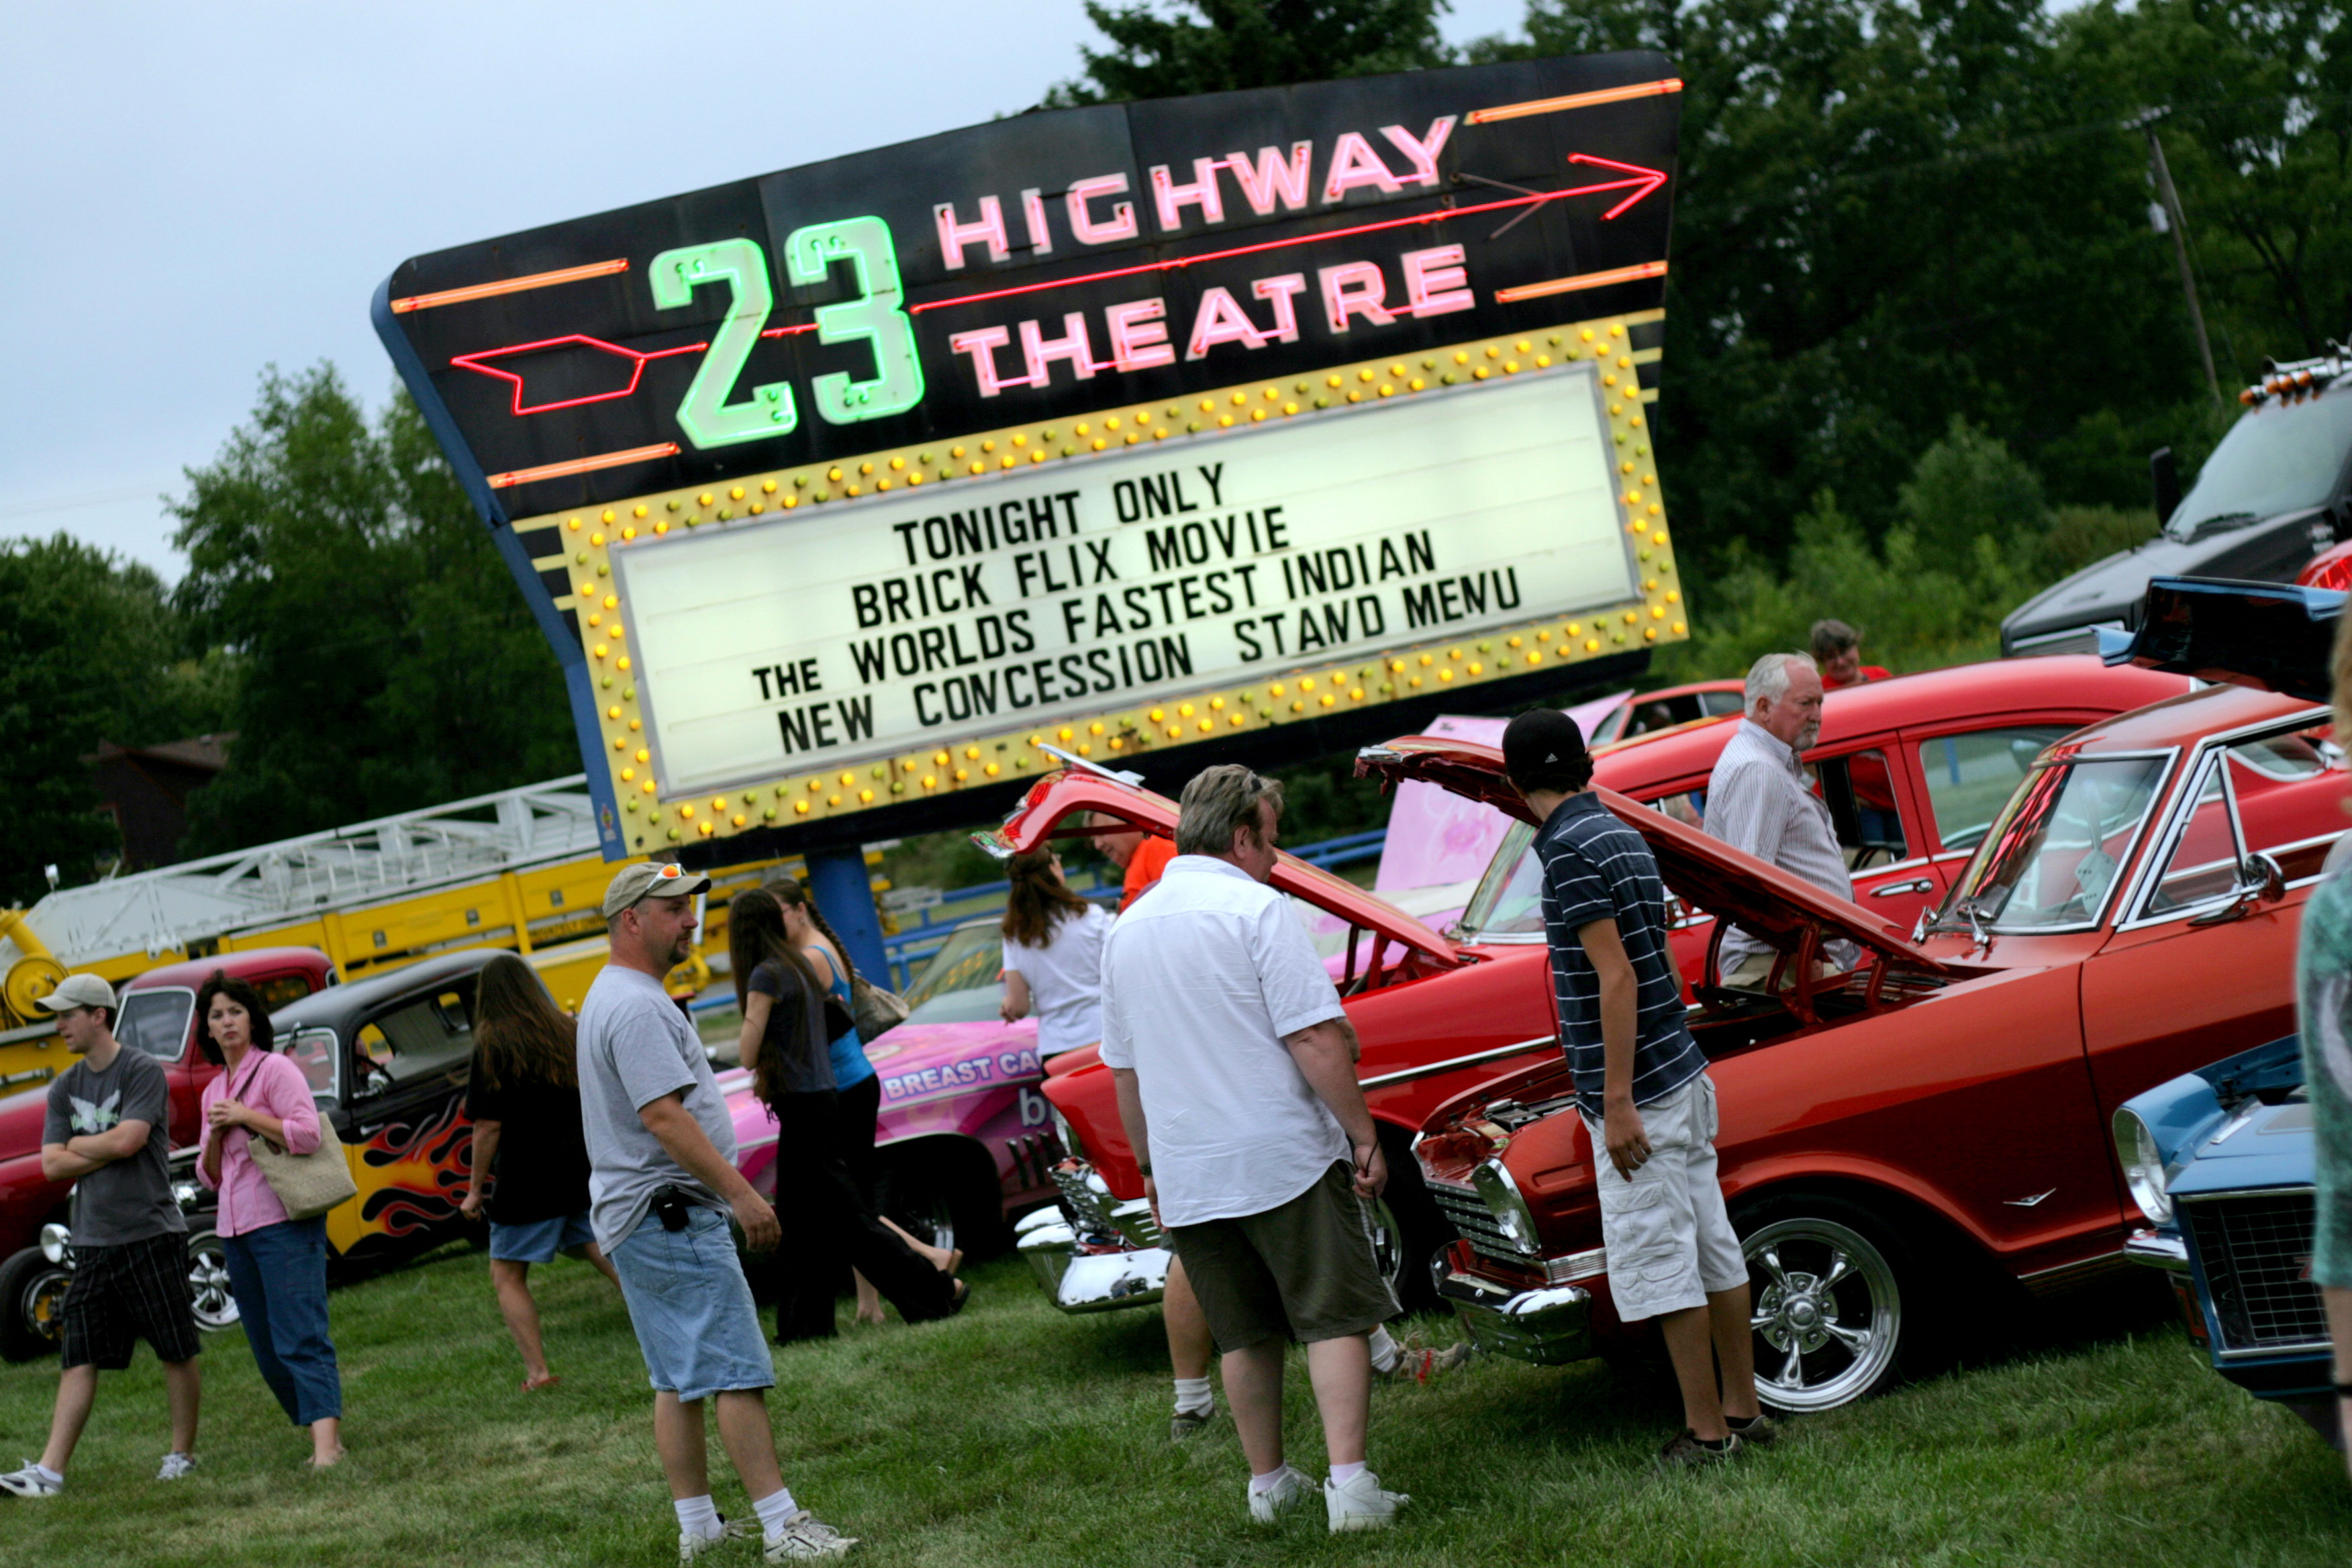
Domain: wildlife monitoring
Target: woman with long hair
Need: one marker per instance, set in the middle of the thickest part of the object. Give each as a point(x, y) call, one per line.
point(523, 1098)
point(277, 1266)
point(1052, 955)
point(786, 1045)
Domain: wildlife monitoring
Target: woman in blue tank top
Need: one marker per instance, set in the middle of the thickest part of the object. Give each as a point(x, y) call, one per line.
point(858, 1087)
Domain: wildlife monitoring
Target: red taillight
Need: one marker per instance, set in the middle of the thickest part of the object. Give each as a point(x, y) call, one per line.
point(2331, 568)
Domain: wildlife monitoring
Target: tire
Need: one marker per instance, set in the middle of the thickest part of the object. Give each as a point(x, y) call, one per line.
point(1414, 1229)
point(32, 1294)
point(1828, 1284)
point(208, 1293)
point(947, 1195)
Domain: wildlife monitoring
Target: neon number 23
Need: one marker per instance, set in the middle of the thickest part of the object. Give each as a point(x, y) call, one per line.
point(706, 416)
point(875, 316)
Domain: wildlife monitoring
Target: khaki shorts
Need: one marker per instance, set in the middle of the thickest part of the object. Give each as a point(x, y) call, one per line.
point(1670, 1240)
point(1303, 1271)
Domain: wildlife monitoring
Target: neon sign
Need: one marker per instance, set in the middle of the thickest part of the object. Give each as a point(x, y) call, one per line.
point(1091, 289)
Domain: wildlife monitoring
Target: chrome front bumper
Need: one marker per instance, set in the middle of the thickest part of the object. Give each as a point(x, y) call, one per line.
point(1550, 1325)
point(2158, 1249)
point(1110, 1257)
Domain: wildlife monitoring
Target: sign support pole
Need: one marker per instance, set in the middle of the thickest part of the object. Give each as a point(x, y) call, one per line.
point(844, 889)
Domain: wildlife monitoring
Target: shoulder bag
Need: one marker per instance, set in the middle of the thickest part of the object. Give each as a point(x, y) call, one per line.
point(878, 1011)
point(308, 1185)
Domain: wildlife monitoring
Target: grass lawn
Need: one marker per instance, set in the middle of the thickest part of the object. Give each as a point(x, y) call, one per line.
point(1012, 1436)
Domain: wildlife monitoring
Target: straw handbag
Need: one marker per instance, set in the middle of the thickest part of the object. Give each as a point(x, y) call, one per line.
point(308, 1185)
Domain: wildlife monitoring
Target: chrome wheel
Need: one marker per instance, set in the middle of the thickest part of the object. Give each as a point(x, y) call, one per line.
point(1388, 1244)
point(45, 1305)
point(209, 1297)
point(1827, 1312)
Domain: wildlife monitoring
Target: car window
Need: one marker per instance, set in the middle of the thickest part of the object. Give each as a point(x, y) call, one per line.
point(282, 990)
point(421, 1038)
point(1970, 777)
point(964, 981)
point(156, 1022)
point(2203, 864)
point(2051, 858)
point(313, 1051)
point(1859, 788)
point(1510, 900)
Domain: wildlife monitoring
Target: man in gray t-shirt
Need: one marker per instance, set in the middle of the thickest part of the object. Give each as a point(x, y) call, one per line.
point(661, 1184)
point(108, 1131)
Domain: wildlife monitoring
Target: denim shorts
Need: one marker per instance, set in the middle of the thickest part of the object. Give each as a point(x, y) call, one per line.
point(692, 1310)
point(538, 1240)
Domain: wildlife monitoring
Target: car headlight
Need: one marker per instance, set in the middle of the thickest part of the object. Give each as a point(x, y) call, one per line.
point(2142, 1164)
point(56, 1242)
point(1065, 1131)
point(1512, 1216)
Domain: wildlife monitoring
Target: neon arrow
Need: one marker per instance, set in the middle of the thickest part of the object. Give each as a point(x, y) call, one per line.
point(1644, 180)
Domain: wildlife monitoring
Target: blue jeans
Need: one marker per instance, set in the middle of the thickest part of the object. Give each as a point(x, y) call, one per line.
point(279, 1275)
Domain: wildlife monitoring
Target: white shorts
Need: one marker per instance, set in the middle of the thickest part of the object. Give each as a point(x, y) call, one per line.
point(1670, 1240)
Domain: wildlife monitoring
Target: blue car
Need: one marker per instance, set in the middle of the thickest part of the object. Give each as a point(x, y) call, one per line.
point(2220, 1160)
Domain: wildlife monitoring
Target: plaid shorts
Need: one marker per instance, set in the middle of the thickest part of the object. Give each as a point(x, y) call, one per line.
point(124, 1294)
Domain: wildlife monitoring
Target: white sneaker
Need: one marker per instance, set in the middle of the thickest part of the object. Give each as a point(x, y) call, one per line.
point(689, 1546)
point(30, 1481)
point(1358, 1503)
point(805, 1538)
point(1287, 1493)
point(175, 1465)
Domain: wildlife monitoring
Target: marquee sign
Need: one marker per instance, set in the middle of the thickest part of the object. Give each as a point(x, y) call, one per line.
point(1118, 428)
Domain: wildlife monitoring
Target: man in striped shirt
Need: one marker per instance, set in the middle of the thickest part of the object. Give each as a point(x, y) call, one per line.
point(1643, 1087)
point(1757, 799)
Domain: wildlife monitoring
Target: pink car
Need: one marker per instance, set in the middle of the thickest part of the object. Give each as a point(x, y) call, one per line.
point(965, 1140)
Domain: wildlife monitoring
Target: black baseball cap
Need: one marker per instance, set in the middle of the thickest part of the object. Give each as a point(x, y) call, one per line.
point(1543, 749)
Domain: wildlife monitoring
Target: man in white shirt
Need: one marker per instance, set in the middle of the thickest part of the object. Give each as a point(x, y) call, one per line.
point(1758, 800)
point(1235, 1070)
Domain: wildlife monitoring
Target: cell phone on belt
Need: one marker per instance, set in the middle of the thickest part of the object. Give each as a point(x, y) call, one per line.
point(671, 1208)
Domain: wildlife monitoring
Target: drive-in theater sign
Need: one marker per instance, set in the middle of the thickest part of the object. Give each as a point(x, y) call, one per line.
point(1256, 425)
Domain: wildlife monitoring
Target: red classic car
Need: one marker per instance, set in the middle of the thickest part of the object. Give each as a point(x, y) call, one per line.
point(1913, 769)
point(2129, 914)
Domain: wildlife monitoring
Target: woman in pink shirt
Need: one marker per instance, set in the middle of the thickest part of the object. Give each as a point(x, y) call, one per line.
point(276, 1266)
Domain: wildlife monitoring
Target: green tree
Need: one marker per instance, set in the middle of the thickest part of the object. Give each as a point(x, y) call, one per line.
point(390, 664)
point(89, 649)
point(1221, 44)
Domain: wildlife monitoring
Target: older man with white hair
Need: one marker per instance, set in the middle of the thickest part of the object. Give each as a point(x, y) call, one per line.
point(1758, 799)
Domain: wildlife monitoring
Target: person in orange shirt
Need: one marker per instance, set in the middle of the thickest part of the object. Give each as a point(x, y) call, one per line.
point(1837, 650)
point(1140, 855)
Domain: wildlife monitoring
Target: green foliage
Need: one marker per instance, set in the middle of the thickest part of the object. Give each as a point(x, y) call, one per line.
point(390, 662)
point(1160, 51)
point(87, 652)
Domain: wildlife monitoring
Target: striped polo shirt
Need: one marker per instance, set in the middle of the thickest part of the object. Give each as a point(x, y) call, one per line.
point(1595, 868)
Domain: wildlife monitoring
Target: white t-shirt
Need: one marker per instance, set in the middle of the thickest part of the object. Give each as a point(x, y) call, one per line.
point(1201, 982)
point(1064, 980)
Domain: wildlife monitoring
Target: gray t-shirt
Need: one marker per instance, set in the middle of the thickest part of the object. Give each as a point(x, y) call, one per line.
point(636, 1046)
point(124, 1200)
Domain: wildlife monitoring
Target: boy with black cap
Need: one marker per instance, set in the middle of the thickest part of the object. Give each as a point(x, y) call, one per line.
point(1643, 1087)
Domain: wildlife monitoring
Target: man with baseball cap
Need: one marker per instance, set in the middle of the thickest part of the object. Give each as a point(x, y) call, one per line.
point(662, 1184)
point(1643, 1087)
point(108, 1131)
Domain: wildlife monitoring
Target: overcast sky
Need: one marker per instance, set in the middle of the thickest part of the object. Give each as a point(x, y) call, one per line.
point(195, 191)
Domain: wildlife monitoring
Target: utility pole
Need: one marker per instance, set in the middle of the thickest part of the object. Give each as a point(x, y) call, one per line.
point(2180, 226)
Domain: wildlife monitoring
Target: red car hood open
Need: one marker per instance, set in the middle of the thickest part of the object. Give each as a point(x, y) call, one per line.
point(1706, 872)
point(1060, 796)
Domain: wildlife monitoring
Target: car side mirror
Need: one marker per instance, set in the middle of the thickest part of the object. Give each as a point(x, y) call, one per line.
point(375, 1080)
point(2164, 475)
point(2260, 881)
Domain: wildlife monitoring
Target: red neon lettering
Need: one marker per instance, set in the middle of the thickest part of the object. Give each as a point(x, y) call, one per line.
point(1042, 352)
point(1270, 178)
point(1032, 210)
point(981, 344)
point(953, 235)
point(1285, 309)
point(1354, 163)
point(1434, 282)
point(1423, 152)
point(1202, 193)
point(1221, 320)
point(1354, 289)
point(1122, 224)
point(1138, 335)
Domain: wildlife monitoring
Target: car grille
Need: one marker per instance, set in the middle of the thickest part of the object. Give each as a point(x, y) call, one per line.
point(1468, 1214)
point(2257, 1256)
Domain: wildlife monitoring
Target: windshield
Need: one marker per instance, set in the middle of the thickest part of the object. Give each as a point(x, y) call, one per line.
point(2052, 856)
point(2278, 457)
point(156, 1022)
point(1509, 900)
point(961, 985)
